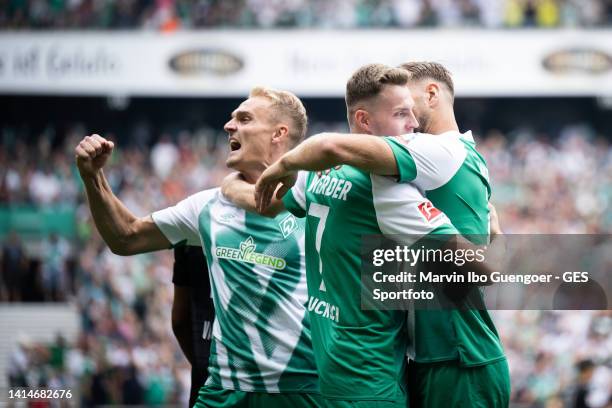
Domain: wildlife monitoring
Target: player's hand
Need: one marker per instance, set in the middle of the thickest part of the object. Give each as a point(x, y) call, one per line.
point(92, 153)
point(268, 181)
point(229, 182)
point(494, 219)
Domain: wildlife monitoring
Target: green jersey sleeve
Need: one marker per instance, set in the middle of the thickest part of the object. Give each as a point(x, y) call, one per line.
point(406, 166)
point(295, 199)
point(426, 160)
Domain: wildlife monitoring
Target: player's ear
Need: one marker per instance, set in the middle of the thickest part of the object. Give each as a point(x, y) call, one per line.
point(432, 92)
point(362, 119)
point(281, 133)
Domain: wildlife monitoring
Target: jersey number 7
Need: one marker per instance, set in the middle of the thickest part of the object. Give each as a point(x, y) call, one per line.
point(321, 212)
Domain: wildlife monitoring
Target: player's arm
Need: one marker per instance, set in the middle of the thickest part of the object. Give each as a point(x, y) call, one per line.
point(123, 232)
point(181, 303)
point(424, 159)
point(493, 256)
point(236, 189)
point(494, 253)
point(181, 320)
point(497, 248)
point(321, 152)
point(326, 150)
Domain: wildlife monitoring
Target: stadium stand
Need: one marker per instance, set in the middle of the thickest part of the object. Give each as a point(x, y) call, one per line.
point(171, 15)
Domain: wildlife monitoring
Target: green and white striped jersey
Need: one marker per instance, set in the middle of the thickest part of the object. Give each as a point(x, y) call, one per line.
point(261, 334)
point(359, 353)
point(455, 177)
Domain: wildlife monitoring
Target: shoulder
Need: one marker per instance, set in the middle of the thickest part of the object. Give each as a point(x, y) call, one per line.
point(203, 197)
point(207, 195)
point(451, 140)
point(196, 202)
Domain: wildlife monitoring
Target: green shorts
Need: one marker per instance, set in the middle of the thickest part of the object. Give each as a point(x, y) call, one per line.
point(330, 403)
point(447, 384)
point(213, 397)
point(399, 401)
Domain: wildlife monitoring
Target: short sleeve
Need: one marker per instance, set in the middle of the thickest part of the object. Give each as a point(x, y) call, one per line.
point(426, 160)
point(180, 223)
point(406, 166)
point(295, 199)
point(401, 209)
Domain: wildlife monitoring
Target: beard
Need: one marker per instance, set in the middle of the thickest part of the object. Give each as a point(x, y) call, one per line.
point(424, 121)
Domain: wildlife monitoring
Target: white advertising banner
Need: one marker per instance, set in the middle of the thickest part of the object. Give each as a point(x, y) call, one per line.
point(310, 63)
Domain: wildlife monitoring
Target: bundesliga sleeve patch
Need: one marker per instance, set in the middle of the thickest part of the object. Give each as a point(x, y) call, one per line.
point(428, 211)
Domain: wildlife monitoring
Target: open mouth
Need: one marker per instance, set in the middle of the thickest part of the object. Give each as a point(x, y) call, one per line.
point(234, 145)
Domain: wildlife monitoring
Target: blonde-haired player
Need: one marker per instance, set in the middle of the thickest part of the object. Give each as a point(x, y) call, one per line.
point(261, 354)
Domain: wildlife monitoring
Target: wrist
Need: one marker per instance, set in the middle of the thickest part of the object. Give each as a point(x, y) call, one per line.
point(90, 175)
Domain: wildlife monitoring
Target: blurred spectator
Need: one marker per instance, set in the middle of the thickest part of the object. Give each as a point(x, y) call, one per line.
point(14, 266)
point(163, 157)
point(585, 368)
point(558, 358)
point(172, 15)
point(44, 186)
point(18, 363)
point(54, 275)
point(542, 186)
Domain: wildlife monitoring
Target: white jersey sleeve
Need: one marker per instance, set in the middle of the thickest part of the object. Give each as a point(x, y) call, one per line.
point(426, 160)
point(180, 223)
point(401, 209)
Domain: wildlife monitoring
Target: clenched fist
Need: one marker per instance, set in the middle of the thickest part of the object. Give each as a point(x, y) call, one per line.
point(92, 153)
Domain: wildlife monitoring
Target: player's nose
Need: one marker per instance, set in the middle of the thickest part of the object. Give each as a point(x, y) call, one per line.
point(413, 122)
point(230, 126)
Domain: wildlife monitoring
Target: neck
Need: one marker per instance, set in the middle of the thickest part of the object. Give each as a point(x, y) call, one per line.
point(443, 122)
point(252, 171)
point(357, 130)
point(251, 176)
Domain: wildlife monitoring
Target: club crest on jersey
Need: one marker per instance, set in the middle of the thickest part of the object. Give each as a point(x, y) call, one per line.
point(428, 211)
point(288, 225)
point(226, 218)
point(246, 253)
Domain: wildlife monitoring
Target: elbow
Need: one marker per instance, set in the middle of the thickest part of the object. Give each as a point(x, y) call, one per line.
point(128, 241)
point(121, 246)
point(119, 249)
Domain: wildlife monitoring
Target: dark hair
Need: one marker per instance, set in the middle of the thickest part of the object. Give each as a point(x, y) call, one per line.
point(426, 69)
point(370, 79)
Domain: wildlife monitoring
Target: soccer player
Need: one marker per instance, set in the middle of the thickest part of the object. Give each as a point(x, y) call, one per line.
point(360, 354)
point(193, 312)
point(456, 350)
point(261, 355)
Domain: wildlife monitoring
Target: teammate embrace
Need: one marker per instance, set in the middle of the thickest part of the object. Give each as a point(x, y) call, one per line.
point(292, 332)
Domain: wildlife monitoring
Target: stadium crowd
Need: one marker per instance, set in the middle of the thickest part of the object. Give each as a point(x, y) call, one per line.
point(170, 15)
point(126, 352)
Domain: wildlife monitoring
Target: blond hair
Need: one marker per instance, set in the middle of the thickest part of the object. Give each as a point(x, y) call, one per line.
point(369, 80)
point(285, 104)
point(431, 70)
